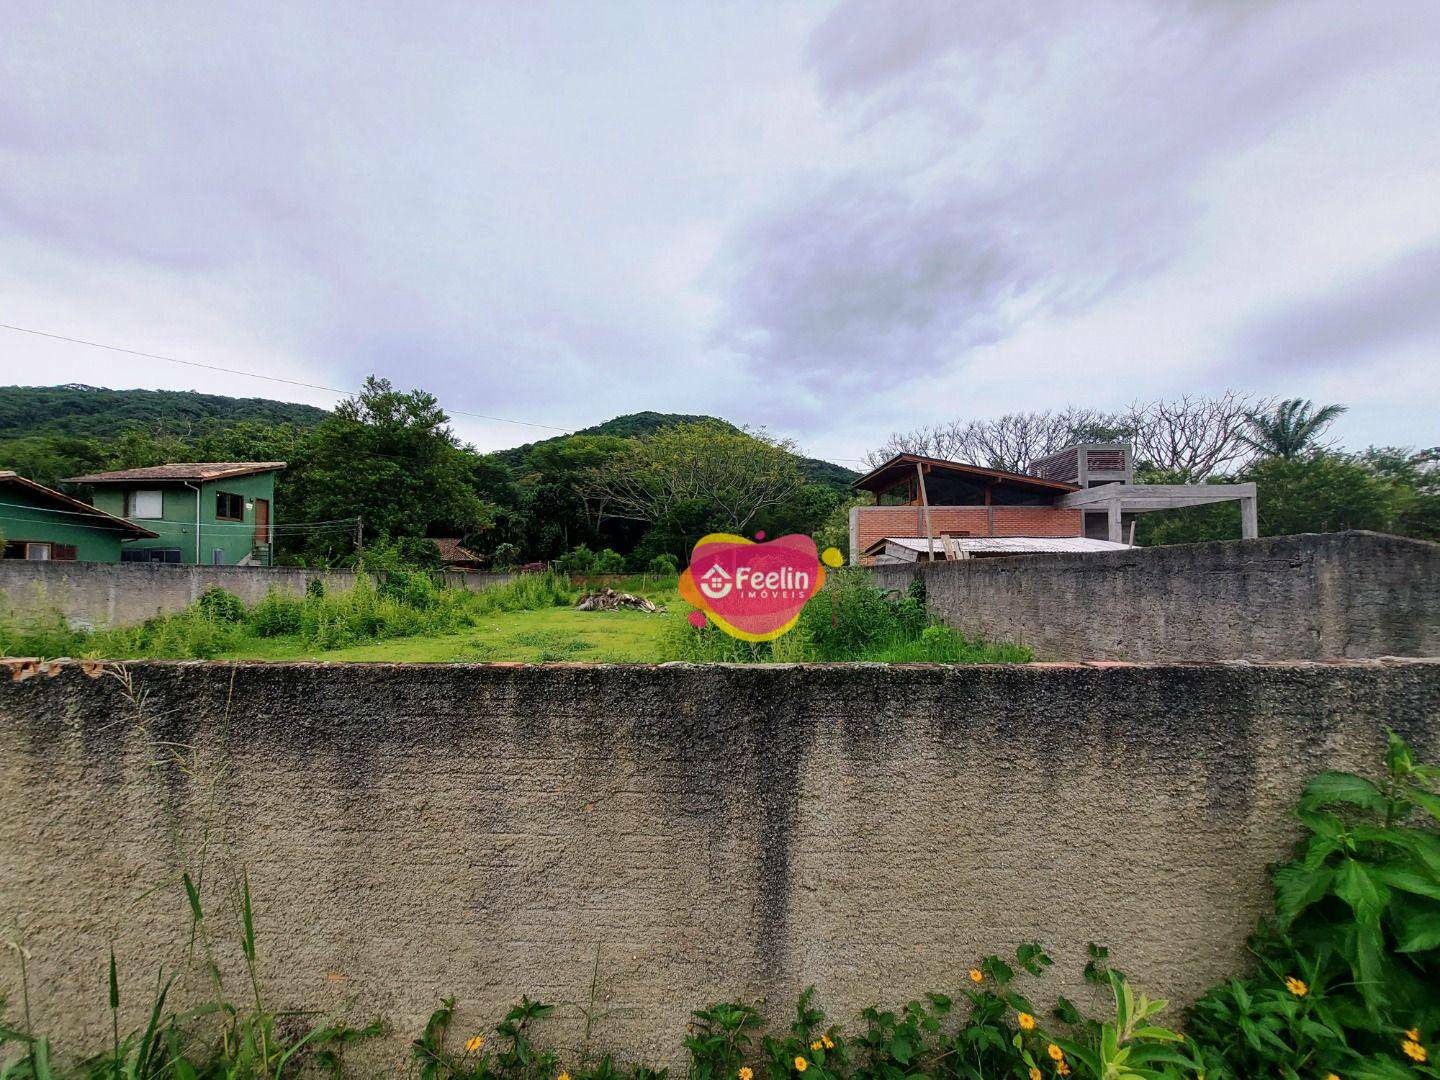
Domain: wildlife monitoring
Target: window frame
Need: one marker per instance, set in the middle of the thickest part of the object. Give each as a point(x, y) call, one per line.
point(239, 501)
point(132, 508)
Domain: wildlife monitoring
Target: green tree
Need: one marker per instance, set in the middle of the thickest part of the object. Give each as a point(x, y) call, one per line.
point(1289, 429)
point(552, 503)
point(1415, 476)
point(391, 458)
point(48, 459)
point(692, 478)
point(1322, 492)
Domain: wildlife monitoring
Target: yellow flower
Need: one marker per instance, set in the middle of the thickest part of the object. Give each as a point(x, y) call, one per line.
point(1056, 1054)
point(563, 1076)
point(1062, 1069)
point(1296, 986)
point(1034, 1073)
point(475, 1043)
point(801, 1064)
point(817, 1045)
point(1331, 1076)
point(1414, 1051)
point(976, 976)
point(829, 1042)
point(1413, 1034)
point(1027, 1022)
point(746, 1073)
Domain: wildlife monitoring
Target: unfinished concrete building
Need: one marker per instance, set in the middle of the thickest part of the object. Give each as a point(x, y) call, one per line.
point(1083, 498)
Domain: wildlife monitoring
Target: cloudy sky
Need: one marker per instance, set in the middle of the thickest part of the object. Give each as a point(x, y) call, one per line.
point(832, 220)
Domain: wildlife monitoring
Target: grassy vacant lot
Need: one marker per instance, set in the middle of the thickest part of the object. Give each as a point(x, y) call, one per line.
point(529, 636)
point(408, 617)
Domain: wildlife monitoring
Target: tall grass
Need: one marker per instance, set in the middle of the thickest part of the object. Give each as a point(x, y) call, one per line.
point(850, 620)
point(395, 605)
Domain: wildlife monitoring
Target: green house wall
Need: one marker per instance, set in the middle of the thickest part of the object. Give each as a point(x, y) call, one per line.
point(234, 539)
point(27, 517)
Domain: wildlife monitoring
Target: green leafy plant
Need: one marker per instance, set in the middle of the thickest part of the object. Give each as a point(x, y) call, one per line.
point(719, 1038)
point(1350, 959)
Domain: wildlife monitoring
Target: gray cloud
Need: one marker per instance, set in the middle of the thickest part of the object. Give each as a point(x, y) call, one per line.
point(1357, 321)
point(564, 213)
point(1053, 153)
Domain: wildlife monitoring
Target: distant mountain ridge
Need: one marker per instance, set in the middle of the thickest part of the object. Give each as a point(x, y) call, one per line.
point(94, 412)
point(633, 425)
point(76, 410)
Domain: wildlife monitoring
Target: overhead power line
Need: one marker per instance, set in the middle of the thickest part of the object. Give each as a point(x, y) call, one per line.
point(254, 375)
point(331, 523)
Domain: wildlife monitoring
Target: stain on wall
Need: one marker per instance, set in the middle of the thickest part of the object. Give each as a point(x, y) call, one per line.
point(1311, 597)
point(412, 831)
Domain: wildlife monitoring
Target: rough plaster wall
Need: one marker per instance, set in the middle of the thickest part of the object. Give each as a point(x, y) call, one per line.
point(413, 831)
point(1352, 594)
point(121, 594)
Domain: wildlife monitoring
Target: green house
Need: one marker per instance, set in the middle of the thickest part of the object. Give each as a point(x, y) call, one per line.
point(218, 513)
point(42, 525)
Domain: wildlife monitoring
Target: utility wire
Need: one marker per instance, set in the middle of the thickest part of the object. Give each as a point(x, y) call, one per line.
point(255, 375)
point(204, 525)
point(331, 523)
point(287, 382)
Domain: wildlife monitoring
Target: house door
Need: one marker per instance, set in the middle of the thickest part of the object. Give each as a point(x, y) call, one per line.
point(262, 522)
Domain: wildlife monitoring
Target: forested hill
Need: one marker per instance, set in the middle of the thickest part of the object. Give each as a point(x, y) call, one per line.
point(647, 423)
point(77, 411)
point(90, 412)
point(627, 426)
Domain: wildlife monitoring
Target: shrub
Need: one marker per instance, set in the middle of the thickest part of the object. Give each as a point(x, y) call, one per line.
point(849, 620)
point(664, 564)
point(403, 603)
point(218, 605)
point(1350, 959)
point(609, 561)
point(576, 562)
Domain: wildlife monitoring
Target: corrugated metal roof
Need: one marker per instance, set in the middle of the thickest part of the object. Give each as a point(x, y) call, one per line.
point(1019, 545)
point(181, 470)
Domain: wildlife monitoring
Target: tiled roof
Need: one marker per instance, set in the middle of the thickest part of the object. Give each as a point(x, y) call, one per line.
point(451, 550)
point(74, 507)
point(182, 470)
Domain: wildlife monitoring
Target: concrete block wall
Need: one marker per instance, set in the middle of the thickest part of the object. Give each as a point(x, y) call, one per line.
point(707, 832)
point(121, 594)
point(1317, 596)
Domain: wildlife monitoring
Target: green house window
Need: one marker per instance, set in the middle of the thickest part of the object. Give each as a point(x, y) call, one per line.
point(144, 504)
point(229, 507)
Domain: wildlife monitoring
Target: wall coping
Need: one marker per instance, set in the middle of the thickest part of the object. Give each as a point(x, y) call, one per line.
point(21, 668)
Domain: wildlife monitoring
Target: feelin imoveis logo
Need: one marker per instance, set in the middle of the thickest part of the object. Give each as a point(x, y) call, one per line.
point(753, 591)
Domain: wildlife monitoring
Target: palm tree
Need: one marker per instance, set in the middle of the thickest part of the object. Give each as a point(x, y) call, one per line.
point(1289, 429)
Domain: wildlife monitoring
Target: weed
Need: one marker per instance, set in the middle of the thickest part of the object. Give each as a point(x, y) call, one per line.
point(849, 620)
point(398, 604)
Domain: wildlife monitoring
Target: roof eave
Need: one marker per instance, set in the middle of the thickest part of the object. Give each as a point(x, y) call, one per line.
point(962, 466)
point(83, 508)
point(108, 478)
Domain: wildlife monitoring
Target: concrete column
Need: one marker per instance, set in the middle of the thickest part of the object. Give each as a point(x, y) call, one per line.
point(854, 536)
point(1116, 528)
point(1249, 518)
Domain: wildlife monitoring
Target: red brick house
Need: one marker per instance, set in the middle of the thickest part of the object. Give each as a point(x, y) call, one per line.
point(1083, 492)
